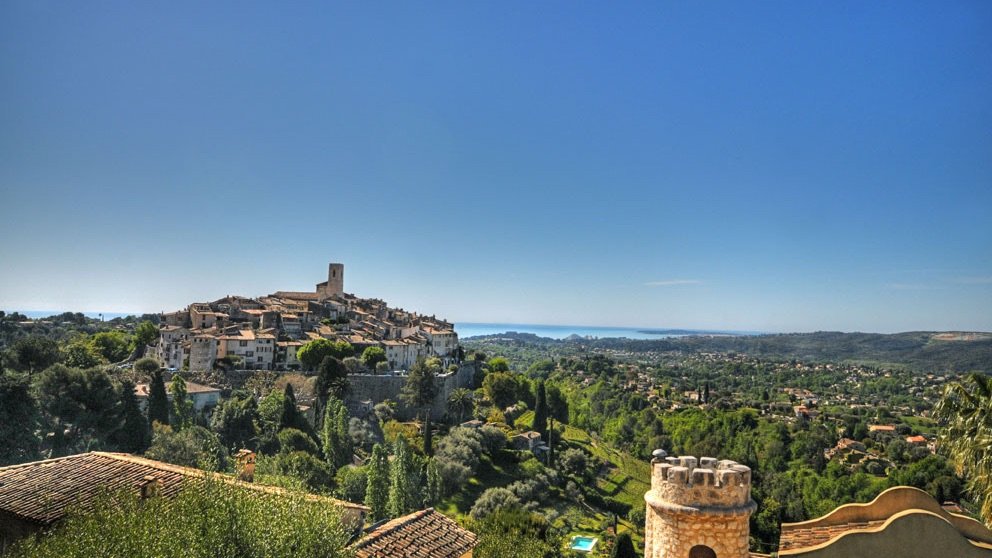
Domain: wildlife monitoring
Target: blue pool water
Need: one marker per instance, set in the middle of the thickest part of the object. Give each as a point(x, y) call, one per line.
point(583, 544)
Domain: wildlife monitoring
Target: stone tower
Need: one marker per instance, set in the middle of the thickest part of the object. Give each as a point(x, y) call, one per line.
point(697, 508)
point(335, 281)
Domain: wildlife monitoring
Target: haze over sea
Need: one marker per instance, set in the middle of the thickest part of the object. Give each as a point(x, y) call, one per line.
point(472, 329)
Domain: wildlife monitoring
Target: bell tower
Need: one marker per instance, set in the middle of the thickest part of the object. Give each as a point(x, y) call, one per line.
point(335, 280)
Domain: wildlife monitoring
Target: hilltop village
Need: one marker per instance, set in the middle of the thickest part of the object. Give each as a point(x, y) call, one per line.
point(265, 333)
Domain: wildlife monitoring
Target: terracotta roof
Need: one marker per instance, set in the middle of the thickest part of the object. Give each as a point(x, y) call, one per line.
point(141, 390)
point(42, 491)
point(806, 537)
point(296, 295)
point(422, 534)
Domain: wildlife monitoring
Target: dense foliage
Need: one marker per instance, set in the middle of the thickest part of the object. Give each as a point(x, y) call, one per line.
point(213, 519)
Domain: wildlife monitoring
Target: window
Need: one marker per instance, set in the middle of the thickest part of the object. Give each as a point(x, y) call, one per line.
point(243, 343)
point(701, 551)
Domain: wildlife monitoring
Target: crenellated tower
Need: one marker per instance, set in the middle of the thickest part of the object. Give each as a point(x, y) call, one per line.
point(697, 508)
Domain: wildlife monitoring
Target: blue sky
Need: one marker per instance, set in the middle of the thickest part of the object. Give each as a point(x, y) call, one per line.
point(775, 166)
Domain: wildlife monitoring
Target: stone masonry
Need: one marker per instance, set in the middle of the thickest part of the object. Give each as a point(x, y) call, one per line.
point(697, 508)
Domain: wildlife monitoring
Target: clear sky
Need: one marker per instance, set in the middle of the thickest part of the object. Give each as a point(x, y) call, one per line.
point(775, 166)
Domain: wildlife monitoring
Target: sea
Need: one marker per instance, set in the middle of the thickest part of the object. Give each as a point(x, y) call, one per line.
point(473, 329)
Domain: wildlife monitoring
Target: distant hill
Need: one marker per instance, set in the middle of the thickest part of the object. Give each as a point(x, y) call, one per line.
point(919, 350)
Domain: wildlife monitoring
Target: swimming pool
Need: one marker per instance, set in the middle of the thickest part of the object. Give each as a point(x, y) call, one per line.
point(583, 544)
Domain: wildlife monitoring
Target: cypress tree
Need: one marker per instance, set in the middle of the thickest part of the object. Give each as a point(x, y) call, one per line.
point(158, 400)
point(330, 436)
point(541, 411)
point(402, 493)
point(377, 485)
point(345, 450)
point(134, 435)
point(432, 491)
point(623, 547)
point(291, 417)
point(182, 407)
point(428, 435)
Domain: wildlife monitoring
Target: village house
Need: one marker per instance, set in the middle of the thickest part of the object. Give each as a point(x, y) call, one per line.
point(201, 396)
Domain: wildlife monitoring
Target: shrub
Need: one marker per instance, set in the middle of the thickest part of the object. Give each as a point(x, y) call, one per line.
point(213, 519)
point(492, 500)
point(292, 440)
point(493, 439)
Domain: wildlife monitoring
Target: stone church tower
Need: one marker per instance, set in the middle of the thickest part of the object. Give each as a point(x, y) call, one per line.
point(697, 508)
point(335, 282)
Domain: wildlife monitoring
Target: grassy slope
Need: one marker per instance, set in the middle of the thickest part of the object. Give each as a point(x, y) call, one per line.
point(625, 479)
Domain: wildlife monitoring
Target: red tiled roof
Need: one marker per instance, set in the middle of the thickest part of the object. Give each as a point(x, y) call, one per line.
point(812, 536)
point(42, 491)
point(422, 534)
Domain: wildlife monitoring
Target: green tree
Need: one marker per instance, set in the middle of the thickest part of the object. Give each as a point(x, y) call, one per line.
point(515, 533)
point(403, 491)
point(191, 447)
point(313, 353)
point(134, 435)
point(460, 403)
point(292, 440)
point(498, 364)
point(114, 346)
point(19, 419)
point(332, 381)
point(540, 424)
point(433, 488)
point(33, 353)
point(623, 547)
point(492, 500)
point(234, 420)
point(146, 367)
point(377, 489)
point(419, 392)
point(966, 406)
point(80, 354)
point(145, 334)
point(334, 433)
point(372, 356)
point(500, 388)
point(557, 404)
point(351, 482)
point(182, 407)
point(158, 399)
point(81, 407)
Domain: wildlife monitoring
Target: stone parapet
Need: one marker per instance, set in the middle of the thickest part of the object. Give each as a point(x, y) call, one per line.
point(705, 482)
point(697, 506)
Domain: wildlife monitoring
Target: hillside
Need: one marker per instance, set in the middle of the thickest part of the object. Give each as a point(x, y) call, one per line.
point(921, 351)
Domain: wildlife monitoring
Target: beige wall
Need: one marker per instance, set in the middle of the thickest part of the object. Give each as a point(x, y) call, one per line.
point(908, 534)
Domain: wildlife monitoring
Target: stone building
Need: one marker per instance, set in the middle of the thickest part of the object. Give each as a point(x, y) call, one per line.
point(697, 508)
